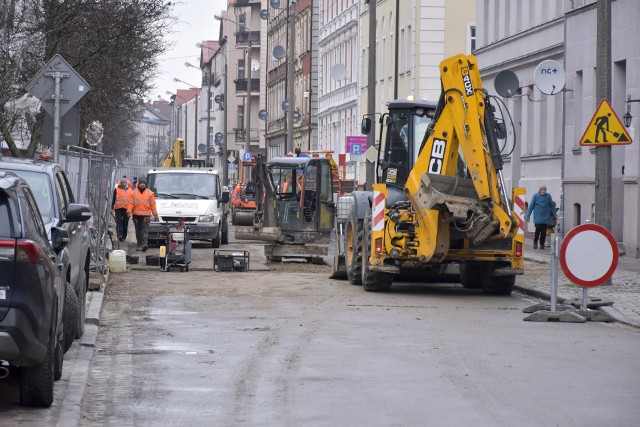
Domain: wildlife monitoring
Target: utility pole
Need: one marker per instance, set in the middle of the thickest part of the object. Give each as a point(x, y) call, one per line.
point(603, 91)
point(208, 116)
point(371, 90)
point(195, 135)
point(247, 146)
point(225, 162)
point(288, 142)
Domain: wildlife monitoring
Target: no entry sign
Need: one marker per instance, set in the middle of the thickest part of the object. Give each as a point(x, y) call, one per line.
point(589, 255)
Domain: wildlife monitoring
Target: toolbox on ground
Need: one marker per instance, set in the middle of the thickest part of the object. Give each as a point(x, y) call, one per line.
point(230, 260)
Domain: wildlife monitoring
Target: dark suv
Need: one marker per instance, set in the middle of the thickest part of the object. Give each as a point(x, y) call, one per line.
point(32, 290)
point(52, 191)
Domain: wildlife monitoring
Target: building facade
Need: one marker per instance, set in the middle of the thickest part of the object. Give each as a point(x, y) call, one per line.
point(518, 36)
point(280, 43)
point(151, 144)
point(338, 68)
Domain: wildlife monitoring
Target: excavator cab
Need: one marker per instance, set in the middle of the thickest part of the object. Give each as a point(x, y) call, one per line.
point(403, 131)
point(303, 193)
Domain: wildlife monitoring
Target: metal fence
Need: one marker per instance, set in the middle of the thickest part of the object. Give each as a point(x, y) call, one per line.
point(93, 177)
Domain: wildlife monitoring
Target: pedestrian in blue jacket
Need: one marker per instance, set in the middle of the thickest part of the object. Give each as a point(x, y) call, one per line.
point(543, 209)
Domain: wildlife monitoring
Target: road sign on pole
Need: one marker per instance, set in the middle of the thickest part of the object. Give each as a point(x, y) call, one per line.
point(589, 255)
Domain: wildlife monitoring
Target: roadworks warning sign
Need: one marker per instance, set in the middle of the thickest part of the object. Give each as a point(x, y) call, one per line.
point(605, 128)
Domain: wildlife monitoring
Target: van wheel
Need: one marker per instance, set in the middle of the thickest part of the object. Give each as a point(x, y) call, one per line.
point(353, 250)
point(215, 243)
point(224, 239)
point(36, 383)
point(70, 316)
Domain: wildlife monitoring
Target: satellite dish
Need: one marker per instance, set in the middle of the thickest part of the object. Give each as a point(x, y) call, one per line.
point(297, 116)
point(275, 4)
point(201, 147)
point(218, 99)
point(285, 105)
point(263, 115)
point(255, 65)
point(218, 137)
point(338, 72)
point(279, 52)
point(549, 77)
point(506, 83)
point(264, 14)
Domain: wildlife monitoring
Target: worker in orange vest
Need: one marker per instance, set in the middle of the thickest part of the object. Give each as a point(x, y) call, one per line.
point(142, 208)
point(122, 199)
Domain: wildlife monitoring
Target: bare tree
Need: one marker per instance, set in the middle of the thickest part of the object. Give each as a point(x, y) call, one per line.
point(113, 44)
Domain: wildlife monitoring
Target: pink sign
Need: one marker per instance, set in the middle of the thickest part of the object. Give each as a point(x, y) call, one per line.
point(356, 144)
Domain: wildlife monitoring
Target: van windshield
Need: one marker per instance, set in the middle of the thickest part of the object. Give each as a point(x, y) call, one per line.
point(183, 185)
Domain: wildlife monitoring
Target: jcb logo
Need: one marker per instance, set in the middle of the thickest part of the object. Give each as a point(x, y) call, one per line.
point(466, 79)
point(437, 155)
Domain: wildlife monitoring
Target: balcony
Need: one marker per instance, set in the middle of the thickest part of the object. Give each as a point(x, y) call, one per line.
point(241, 3)
point(241, 85)
point(244, 38)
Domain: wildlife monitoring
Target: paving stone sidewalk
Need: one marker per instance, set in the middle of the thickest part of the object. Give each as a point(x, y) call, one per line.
point(624, 290)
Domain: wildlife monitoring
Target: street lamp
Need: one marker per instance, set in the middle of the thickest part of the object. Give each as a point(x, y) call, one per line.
point(249, 80)
point(627, 116)
point(225, 161)
point(195, 135)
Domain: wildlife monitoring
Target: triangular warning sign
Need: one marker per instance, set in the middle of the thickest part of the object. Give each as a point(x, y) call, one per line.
point(605, 128)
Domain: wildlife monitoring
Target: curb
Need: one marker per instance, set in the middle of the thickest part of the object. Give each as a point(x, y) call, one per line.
point(71, 408)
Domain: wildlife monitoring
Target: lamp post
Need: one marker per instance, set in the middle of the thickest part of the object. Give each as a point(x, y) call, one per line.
point(247, 146)
point(627, 116)
point(195, 134)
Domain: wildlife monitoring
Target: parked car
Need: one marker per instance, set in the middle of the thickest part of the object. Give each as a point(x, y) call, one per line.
point(32, 291)
point(56, 201)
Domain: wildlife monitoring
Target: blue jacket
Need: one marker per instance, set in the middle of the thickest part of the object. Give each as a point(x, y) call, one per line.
point(543, 208)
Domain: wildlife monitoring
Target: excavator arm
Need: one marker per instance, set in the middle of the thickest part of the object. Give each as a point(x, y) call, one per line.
point(175, 158)
point(457, 176)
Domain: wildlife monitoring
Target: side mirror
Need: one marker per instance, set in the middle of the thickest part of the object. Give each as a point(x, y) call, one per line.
point(224, 197)
point(59, 238)
point(365, 127)
point(77, 212)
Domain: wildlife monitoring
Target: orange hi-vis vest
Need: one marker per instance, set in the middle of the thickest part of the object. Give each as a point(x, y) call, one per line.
point(124, 198)
point(144, 204)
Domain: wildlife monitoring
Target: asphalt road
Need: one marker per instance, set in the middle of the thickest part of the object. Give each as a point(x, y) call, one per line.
point(291, 347)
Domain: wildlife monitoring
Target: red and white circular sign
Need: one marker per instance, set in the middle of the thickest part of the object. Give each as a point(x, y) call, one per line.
point(589, 255)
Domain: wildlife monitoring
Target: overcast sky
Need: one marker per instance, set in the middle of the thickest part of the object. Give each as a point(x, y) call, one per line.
point(195, 23)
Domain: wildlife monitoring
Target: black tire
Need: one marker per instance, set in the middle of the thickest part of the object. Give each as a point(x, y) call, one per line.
point(353, 249)
point(215, 243)
point(498, 285)
point(36, 383)
point(69, 316)
point(224, 239)
point(83, 283)
point(59, 359)
point(473, 274)
point(376, 281)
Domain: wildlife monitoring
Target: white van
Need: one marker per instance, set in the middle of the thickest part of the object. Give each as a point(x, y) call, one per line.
point(194, 195)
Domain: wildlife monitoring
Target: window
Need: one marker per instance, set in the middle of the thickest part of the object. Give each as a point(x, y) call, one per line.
point(472, 38)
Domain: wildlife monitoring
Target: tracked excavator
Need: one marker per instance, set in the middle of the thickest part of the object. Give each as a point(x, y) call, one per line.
point(294, 208)
point(439, 196)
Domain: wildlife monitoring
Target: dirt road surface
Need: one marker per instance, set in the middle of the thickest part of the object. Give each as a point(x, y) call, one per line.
point(284, 345)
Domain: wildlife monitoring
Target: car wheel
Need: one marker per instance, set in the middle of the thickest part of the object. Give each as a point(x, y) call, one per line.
point(83, 278)
point(70, 316)
point(36, 383)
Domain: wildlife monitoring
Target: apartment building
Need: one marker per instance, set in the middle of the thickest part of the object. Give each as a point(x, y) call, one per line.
point(518, 35)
